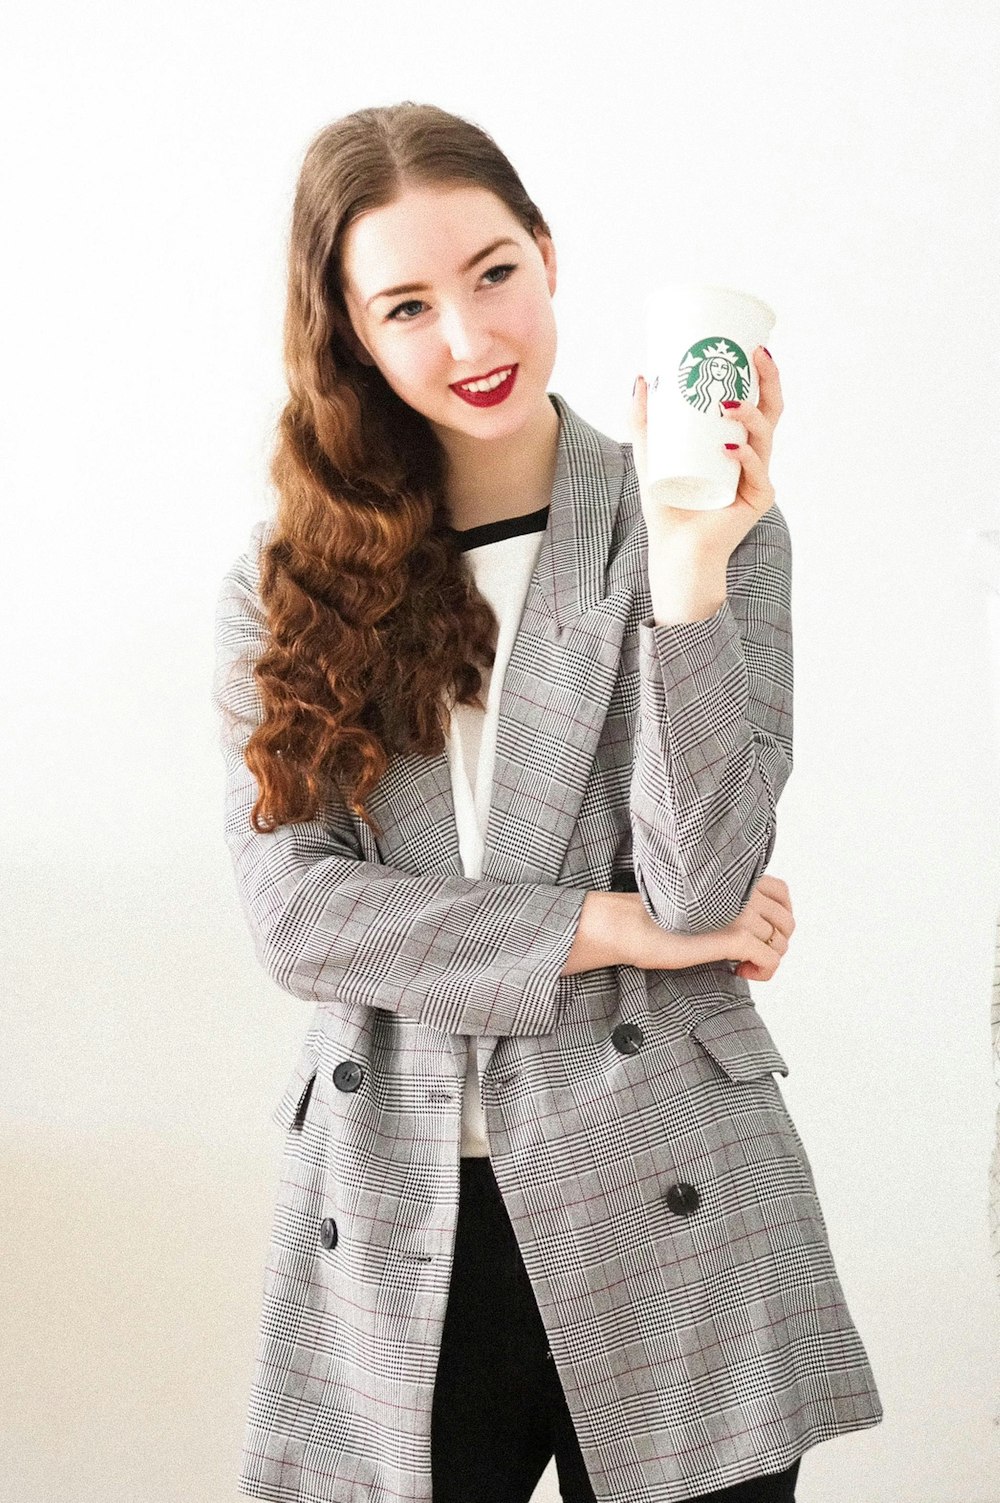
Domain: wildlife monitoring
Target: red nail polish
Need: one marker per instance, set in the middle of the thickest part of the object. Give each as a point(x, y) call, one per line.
point(732, 446)
point(730, 404)
point(767, 352)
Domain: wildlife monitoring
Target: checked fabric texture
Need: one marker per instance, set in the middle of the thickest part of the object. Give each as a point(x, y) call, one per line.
point(661, 1197)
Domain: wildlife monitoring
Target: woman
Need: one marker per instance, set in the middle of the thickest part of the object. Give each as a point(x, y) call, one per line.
point(540, 1193)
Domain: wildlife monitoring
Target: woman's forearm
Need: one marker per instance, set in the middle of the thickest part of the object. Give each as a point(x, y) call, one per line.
point(615, 929)
point(594, 945)
point(684, 588)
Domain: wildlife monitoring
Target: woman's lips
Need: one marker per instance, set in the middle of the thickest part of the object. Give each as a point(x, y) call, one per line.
point(489, 398)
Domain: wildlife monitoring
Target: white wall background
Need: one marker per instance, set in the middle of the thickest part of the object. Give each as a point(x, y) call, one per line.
point(838, 159)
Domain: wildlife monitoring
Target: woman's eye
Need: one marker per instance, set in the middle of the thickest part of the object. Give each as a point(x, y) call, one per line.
point(416, 303)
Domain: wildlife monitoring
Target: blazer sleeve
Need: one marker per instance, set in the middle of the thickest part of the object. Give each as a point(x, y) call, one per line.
point(466, 956)
point(714, 741)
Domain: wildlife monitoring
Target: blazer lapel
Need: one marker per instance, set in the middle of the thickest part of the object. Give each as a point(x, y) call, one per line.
point(555, 695)
point(563, 667)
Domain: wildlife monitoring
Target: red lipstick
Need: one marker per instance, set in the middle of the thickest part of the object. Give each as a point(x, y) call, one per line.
point(488, 398)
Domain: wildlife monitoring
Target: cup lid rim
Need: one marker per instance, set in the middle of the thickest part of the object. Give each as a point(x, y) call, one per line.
point(692, 286)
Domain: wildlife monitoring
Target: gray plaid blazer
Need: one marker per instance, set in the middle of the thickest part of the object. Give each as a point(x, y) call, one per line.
point(663, 1202)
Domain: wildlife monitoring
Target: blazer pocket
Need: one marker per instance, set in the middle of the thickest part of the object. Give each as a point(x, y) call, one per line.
point(739, 1043)
point(291, 1109)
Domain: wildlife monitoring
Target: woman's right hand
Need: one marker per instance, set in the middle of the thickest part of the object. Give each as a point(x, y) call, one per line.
point(748, 940)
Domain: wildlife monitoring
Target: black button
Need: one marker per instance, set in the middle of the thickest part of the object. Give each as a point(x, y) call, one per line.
point(627, 1038)
point(624, 882)
point(348, 1075)
point(683, 1199)
point(328, 1232)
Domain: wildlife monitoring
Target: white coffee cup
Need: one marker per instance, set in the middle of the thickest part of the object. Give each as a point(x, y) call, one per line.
point(700, 341)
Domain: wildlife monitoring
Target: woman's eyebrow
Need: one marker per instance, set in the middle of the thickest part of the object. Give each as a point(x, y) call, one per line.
point(423, 286)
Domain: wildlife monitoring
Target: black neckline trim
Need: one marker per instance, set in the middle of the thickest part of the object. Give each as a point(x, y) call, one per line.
point(508, 527)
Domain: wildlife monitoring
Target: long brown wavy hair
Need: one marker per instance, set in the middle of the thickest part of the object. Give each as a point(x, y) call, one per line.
point(375, 625)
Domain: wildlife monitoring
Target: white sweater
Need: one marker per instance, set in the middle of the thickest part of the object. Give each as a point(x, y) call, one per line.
point(502, 558)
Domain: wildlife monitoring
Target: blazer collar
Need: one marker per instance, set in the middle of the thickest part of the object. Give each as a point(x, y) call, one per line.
point(555, 695)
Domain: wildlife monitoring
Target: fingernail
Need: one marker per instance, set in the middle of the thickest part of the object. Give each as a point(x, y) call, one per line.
point(730, 404)
point(767, 352)
point(635, 383)
point(732, 446)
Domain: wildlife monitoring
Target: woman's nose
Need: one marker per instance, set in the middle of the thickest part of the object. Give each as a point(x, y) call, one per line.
point(464, 339)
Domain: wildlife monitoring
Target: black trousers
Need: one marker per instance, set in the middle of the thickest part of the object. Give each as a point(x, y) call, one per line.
point(499, 1412)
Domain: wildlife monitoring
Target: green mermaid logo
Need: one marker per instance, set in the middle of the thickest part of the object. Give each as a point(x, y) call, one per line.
point(714, 370)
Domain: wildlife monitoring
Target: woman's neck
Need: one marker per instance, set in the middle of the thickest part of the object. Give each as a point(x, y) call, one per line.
point(491, 482)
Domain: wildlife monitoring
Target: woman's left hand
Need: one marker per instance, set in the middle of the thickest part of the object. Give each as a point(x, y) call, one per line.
point(714, 535)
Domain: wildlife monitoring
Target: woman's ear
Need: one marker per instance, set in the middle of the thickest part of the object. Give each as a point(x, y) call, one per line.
point(547, 248)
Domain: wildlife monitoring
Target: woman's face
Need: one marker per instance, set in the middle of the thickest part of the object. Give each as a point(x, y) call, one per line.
point(465, 321)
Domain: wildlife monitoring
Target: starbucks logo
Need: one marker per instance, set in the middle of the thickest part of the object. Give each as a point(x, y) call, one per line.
point(714, 370)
